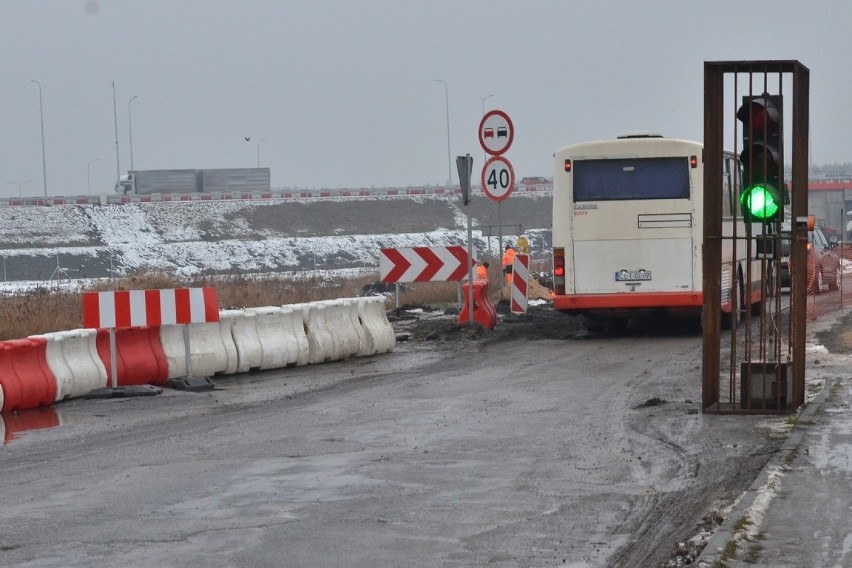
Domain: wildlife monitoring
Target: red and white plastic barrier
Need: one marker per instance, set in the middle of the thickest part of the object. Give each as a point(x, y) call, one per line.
point(520, 281)
point(134, 308)
point(44, 369)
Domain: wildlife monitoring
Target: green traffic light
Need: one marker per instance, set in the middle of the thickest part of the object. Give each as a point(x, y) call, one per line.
point(760, 202)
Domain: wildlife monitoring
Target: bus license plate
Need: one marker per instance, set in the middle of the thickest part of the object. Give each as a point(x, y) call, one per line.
point(628, 275)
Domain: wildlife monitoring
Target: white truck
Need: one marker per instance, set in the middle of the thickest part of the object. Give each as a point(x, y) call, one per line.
point(144, 182)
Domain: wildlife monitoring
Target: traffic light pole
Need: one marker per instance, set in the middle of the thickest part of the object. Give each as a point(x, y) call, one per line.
point(765, 367)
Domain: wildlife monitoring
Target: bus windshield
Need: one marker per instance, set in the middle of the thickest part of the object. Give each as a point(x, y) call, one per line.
point(622, 179)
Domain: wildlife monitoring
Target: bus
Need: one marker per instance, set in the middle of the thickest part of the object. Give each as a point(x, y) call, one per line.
point(627, 232)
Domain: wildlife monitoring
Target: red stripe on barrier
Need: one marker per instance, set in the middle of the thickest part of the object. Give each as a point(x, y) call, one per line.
point(211, 304)
point(153, 314)
point(91, 309)
point(26, 379)
point(183, 312)
point(122, 308)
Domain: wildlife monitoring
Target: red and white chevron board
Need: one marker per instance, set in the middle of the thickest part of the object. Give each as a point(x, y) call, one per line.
point(132, 308)
point(424, 264)
point(520, 279)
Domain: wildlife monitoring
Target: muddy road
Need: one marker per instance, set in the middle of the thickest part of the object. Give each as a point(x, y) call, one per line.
point(534, 445)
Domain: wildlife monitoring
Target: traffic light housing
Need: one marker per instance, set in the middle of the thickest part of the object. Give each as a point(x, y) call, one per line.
point(763, 194)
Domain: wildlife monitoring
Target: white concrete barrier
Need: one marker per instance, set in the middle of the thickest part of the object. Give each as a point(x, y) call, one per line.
point(374, 319)
point(227, 339)
point(73, 359)
point(342, 330)
point(320, 343)
point(293, 319)
point(244, 335)
point(275, 342)
point(352, 310)
point(211, 348)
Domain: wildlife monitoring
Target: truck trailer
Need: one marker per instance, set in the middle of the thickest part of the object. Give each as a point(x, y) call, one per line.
point(144, 182)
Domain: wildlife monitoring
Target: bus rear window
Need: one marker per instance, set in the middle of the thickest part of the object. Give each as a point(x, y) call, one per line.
point(631, 178)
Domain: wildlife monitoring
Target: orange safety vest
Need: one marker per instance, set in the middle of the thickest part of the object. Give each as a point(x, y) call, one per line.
point(508, 257)
point(481, 272)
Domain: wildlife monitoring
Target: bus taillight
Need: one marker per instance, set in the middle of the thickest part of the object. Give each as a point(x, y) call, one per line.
point(693, 161)
point(568, 166)
point(559, 270)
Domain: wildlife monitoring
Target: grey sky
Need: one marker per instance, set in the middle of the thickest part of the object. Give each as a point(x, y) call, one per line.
point(341, 93)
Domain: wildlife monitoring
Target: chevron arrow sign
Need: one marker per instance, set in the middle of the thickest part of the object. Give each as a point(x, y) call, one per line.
point(424, 264)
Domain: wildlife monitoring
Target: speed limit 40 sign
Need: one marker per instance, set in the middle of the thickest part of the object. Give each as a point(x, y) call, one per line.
point(498, 178)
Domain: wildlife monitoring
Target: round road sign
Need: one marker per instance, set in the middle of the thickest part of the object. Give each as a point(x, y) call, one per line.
point(498, 178)
point(496, 132)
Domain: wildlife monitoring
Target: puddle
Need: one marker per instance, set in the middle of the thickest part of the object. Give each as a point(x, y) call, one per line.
point(15, 423)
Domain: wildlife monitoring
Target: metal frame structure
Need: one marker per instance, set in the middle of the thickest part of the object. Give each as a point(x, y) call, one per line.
point(766, 355)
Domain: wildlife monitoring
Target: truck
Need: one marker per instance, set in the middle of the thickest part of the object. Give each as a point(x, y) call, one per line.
point(144, 182)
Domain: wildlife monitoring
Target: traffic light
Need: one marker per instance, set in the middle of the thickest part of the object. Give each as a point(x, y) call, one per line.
point(763, 194)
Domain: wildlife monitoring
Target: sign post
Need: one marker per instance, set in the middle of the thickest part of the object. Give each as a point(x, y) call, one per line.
point(465, 167)
point(496, 133)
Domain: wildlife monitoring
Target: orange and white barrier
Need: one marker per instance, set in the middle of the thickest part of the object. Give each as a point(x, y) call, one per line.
point(73, 358)
point(44, 369)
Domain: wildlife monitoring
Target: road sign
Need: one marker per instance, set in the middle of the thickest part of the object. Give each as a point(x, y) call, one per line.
point(424, 264)
point(498, 178)
point(465, 167)
point(496, 132)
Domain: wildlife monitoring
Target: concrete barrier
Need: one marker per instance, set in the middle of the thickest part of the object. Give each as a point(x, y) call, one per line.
point(243, 327)
point(26, 378)
point(381, 337)
point(211, 354)
point(294, 318)
point(275, 341)
point(320, 343)
point(352, 311)
point(343, 332)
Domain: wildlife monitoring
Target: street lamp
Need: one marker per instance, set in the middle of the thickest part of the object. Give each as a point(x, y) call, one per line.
point(447, 101)
point(258, 151)
point(41, 114)
point(19, 184)
point(89, 168)
point(130, 128)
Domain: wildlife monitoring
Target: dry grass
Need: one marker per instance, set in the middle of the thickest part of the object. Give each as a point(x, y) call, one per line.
point(46, 310)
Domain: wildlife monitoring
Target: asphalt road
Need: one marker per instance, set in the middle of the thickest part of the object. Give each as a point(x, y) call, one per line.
point(583, 451)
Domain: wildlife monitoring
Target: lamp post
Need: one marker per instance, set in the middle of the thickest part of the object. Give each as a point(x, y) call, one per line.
point(258, 151)
point(19, 184)
point(115, 120)
point(41, 114)
point(130, 128)
point(89, 168)
point(447, 101)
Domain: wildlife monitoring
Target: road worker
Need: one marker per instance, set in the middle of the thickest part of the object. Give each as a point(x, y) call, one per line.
point(482, 271)
point(508, 258)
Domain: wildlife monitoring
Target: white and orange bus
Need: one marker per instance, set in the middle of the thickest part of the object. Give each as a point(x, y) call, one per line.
point(627, 232)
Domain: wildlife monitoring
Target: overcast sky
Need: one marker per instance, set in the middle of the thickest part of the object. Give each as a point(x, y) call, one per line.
point(342, 93)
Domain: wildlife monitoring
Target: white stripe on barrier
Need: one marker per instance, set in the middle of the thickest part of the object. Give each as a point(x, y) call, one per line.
point(62, 373)
point(168, 308)
point(174, 348)
point(211, 348)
